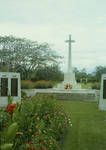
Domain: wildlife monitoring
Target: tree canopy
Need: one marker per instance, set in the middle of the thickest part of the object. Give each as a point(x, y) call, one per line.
point(25, 56)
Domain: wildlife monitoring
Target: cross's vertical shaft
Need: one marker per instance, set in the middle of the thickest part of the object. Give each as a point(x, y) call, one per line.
point(69, 54)
point(69, 57)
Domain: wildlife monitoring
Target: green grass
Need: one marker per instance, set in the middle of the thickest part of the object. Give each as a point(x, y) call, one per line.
point(88, 130)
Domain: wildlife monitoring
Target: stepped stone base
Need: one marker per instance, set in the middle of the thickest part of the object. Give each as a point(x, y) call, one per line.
point(69, 82)
point(78, 94)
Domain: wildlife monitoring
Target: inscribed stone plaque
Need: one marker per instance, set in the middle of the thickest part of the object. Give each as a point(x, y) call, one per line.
point(104, 89)
point(4, 86)
point(14, 87)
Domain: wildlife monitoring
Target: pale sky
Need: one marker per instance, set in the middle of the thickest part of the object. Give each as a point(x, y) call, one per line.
point(53, 20)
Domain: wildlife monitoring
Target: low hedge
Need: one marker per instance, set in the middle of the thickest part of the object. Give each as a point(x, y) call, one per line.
point(42, 84)
point(27, 84)
point(37, 124)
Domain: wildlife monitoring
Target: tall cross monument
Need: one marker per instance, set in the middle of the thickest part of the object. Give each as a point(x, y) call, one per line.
point(69, 76)
point(69, 54)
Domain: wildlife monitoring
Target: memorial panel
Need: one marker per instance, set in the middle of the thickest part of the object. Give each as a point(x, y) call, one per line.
point(4, 86)
point(104, 89)
point(14, 87)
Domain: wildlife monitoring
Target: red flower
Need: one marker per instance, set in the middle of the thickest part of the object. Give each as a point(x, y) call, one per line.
point(29, 142)
point(10, 108)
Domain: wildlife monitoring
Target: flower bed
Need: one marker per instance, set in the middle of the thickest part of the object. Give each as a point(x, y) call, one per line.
point(37, 124)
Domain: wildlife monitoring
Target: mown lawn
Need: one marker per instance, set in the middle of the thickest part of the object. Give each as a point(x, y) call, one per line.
point(88, 130)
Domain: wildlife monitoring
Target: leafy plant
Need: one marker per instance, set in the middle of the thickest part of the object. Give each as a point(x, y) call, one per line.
point(10, 99)
point(41, 124)
point(9, 137)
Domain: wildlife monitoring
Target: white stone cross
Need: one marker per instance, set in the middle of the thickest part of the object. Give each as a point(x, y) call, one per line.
point(69, 54)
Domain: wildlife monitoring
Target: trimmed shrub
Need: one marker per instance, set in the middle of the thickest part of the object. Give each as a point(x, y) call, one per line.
point(27, 84)
point(43, 84)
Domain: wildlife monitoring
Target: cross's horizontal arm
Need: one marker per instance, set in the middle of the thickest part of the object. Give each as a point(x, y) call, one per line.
point(70, 41)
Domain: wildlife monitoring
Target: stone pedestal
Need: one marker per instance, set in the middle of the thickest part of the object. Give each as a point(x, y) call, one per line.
point(69, 82)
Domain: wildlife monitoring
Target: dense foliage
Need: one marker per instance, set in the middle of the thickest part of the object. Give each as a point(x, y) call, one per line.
point(51, 73)
point(98, 71)
point(25, 56)
point(37, 124)
point(95, 76)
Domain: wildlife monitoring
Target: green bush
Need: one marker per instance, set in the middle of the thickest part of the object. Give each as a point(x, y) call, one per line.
point(96, 85)
point(41, 122)
point(43, 84)
point(27, 84)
